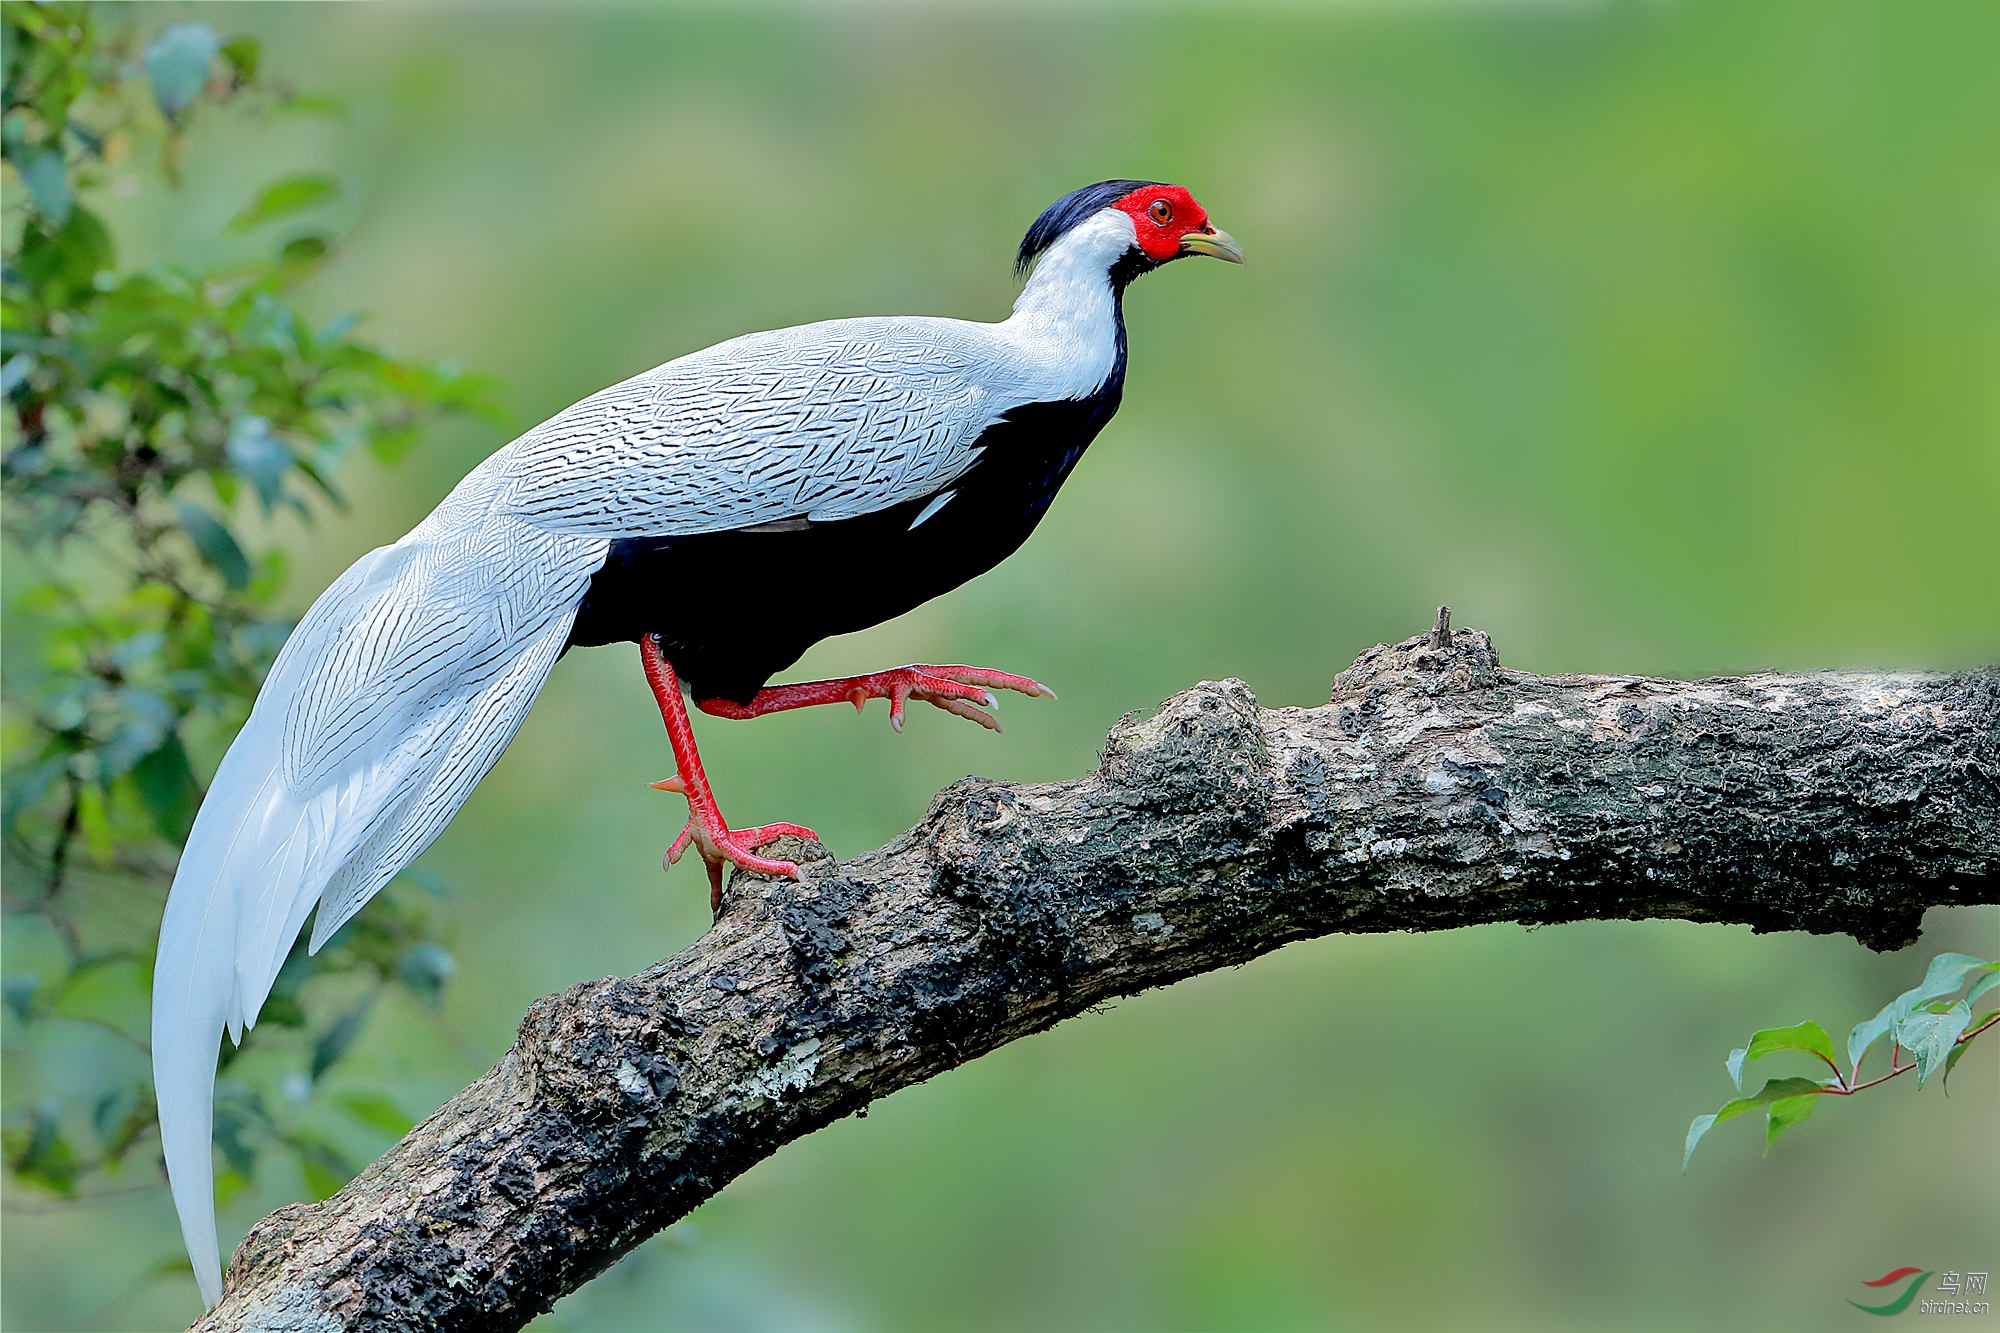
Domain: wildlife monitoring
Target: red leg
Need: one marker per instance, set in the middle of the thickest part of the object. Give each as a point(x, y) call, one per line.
point(963, 690)
point(712, 837)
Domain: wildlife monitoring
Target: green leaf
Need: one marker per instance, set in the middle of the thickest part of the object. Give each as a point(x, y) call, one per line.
point(19, 991)
point(391, 446)
point(1928, 1034)
point(283, 1011)
point(377, 1112)
point(326, 1167)
point(47, 178)
point(119, 1117)
point(1808, 1037)
point(1958, 1050)
point(94, 821)
point(44, 1156)
point(1776, 1090)
point(138, 649)
point(229, 1184)
point(177, 62)
point(30, 785)
point(1702, 1124)
point(63, 262)
point(1869, 1031)
point(105, 987)
point(243, 55)
point(259, 457)
point(323, 1183)
point(1734, 1064)
point(1946, 973)
point(110, 1108)
point(339, 327)
point(423, 969)
point(289, 195)
point(147, 721)
point(240, 1117)
point(16, 369)
point(217, 547)
point(301, 255)
point(314, 104)
point(333, 1043)
point(1984, 984)
point(1781, 1115)
point(166, 788)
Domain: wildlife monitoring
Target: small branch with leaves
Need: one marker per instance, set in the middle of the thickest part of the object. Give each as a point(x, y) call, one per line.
point(1930, 1021)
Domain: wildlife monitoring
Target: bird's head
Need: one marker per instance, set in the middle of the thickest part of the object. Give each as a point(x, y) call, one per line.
point(1122, 229)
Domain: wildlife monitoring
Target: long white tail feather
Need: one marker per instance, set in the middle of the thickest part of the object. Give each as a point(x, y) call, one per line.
point(395, 695)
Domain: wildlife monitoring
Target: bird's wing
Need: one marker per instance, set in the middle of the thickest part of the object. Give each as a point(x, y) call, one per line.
point(396, 693)
point(823, 421)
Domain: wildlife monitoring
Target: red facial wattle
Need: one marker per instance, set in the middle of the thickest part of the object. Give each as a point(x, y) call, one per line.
point(1161, 215)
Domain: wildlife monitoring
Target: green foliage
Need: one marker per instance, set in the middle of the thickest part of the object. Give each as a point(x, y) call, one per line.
point(149, 412)
point(1926, 1021)
point(1808, 1036)
point(293, 194)
point(1913, 1015)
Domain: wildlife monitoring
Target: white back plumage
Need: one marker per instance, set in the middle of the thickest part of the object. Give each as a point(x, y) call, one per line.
point(408, 676)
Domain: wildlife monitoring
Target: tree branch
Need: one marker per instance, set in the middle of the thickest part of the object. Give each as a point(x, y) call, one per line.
point(1436, 790)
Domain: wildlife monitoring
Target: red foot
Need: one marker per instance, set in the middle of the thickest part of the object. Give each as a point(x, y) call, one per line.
point(706, 830)
point(963, 690)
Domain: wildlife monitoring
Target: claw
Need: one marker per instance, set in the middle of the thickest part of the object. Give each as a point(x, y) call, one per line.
point(733, 847)
point(763, 833)
point(714, 869)
point(966, 709)
point(705, 829)
point(968, 692)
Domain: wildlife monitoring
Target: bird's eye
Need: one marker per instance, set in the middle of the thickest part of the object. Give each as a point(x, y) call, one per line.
point(1162, 211)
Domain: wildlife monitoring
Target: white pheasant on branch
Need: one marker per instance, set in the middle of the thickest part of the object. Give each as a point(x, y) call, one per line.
point(848, 470)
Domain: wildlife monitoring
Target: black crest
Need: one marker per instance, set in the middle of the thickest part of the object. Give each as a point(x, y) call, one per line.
point(1067, 212)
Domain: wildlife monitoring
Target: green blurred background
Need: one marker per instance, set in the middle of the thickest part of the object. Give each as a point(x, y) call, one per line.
point(1654, 338)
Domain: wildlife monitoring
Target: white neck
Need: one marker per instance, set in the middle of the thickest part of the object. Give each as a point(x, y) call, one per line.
point(1069, 305)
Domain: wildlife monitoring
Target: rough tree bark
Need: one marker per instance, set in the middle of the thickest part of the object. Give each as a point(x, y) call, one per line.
point(1435, 790)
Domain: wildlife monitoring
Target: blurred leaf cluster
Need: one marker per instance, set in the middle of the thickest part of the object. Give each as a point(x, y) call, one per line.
point(1931, 1022)
point(151, 414)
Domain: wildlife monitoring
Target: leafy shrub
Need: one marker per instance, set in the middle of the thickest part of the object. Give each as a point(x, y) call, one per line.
point(150, 410)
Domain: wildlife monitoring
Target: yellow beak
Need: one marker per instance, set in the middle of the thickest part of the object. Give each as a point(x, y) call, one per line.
point(1213, 243)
